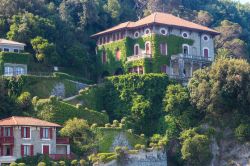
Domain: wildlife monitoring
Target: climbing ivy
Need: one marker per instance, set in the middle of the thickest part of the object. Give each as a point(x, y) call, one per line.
point(11, 57)
point(126, 46)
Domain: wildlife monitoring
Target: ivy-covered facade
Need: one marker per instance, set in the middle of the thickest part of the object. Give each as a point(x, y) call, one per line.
point(153, 45)
point(12, 59)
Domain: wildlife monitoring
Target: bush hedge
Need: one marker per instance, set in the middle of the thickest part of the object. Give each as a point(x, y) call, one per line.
point(59, 112)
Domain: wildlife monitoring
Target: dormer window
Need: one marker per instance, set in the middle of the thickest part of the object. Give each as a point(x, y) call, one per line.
point(147, 31)
point(136, 34)
point(185, 35)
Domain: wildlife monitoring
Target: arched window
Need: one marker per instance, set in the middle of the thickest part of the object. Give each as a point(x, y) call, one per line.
point(164, 49)
point(185, 49)
point(148, 48)
point(104, 57)
point(206, 52)
point(118, 54)
point(136, 49)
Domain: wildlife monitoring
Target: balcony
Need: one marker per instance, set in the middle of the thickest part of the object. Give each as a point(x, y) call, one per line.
point(6, 140)
point(61, 140)
point(192, 57)
point(61, 156)
point(138, 57)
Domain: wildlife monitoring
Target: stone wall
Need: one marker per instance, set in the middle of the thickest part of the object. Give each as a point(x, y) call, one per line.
point(152, 158)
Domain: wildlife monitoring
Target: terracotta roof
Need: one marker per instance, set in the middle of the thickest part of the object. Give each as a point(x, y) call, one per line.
point(26, 121)
point(5, 41)
point(161, 18)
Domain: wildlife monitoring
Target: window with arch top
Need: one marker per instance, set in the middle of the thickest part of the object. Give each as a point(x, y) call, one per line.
point(136, 49)
point(148, 48)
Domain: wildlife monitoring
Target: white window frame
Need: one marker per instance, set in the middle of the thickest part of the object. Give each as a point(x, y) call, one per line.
point(25, 150)
point(19, 70)
point(44, 132)
point(15, 50)
point(182, 34)
point(46, 145)
point(203, 51)
point(137, 45)
point(187, 47)
point(26, 133)
point(203, 36)
point(166, 31)
point(6, 49)
point(7, 71)
point(166, 48)
point(135, 34)
point(147, 29)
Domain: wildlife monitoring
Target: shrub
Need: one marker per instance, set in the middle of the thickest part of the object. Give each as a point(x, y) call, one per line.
point(242, 132)
point(13, 164)
point(195, 150)
point(24, 99)
point(107, 125)
point(74, 162)
point(41, 164)
point(53, 163)
point(82, 162)
point(21, 164)
point(138, 146)
point(62, 163)
point(115, 123)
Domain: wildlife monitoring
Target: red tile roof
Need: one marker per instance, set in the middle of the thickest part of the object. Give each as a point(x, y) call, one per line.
point(160, 18)
point(10, 42)
point(26, 121)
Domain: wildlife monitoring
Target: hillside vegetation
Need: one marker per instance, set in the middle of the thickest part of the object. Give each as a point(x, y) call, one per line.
point(206, 122)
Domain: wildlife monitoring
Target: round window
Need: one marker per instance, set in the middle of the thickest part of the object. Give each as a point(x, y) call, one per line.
point(185, 34)
point(205, 38)
point(147, 31)
point(163, 31)
point(136, 34)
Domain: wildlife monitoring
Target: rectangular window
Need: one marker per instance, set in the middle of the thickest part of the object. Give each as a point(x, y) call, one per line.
point(16, 50)
point(7, 150)
point(26, 150)
point(163, 49)
point(19, 71)
point(8, 71)
point(7, 132)
point(6, 50)
point(45, 133)
point(25, 132)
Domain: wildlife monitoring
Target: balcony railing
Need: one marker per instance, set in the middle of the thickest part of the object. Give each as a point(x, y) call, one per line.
point(137, 57)
point(61, 156)
point(61, 140)
point(192, 57)
point(6, 140)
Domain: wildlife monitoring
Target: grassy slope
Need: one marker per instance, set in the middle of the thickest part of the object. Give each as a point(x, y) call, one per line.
point(43, 86)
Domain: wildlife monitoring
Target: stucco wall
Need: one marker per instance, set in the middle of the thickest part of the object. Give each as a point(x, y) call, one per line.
point(11, 47)
point(34, 140)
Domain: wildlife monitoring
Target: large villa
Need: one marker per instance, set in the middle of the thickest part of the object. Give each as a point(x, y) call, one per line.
point(158, 43)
